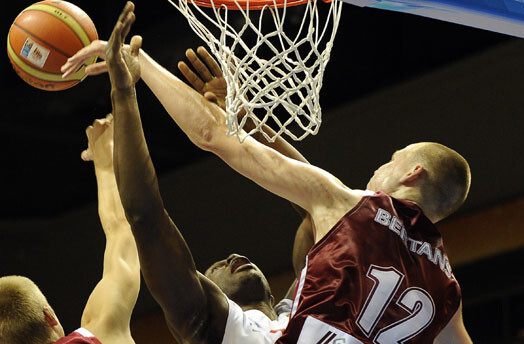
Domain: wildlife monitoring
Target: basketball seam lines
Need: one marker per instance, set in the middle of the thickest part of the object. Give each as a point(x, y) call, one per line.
point(40, 39)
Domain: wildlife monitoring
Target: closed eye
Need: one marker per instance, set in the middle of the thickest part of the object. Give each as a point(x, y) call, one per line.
point(217, 266)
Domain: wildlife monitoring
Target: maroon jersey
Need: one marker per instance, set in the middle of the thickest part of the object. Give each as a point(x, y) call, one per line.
point(80, 336)
point(380, 275)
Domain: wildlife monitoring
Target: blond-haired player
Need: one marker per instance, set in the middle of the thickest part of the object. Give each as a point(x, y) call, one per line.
point(25, 314)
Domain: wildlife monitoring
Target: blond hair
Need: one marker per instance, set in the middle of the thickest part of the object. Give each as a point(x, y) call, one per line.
point(22, 318)
point(449, 176)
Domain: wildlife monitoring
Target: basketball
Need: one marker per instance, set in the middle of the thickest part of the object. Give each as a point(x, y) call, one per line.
point(43, 37)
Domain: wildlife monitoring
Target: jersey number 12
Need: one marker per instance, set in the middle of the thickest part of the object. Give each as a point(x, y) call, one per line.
point(416, 301)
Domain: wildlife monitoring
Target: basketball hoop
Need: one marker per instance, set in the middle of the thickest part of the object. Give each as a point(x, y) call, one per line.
point(266, 69)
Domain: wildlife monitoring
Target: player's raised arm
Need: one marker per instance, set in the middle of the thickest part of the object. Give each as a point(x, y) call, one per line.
point(313, 189)
point(107, 313)
point(203, 122)
point(195, 309)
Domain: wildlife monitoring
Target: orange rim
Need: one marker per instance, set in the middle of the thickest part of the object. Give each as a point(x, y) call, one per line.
point(250, 4)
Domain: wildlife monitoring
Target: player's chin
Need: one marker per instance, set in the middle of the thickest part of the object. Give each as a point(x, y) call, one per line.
point(250, 275)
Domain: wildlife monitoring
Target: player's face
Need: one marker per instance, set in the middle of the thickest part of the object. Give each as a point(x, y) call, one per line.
point(387, 177)
point(241, 280)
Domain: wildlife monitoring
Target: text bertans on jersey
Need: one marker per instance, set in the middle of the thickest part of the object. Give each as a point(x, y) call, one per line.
point(422, 248)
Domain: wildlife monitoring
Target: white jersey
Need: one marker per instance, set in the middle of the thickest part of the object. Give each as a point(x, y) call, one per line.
point(253, 326)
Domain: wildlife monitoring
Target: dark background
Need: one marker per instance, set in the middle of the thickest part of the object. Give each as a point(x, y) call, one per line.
point(392, 79)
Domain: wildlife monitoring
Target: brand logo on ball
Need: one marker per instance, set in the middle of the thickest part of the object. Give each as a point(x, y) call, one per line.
point(27, 48)
point(34, 53)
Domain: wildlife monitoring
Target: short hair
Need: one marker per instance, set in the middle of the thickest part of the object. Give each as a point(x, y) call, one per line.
point(449, 176)
point(22, 318)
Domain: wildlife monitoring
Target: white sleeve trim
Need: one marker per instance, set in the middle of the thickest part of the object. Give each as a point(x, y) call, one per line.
point(85, 333)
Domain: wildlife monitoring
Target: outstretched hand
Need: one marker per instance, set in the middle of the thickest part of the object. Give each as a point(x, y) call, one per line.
point(210, 81)
point(96, 48)
point(123, 66)
point(100, 143)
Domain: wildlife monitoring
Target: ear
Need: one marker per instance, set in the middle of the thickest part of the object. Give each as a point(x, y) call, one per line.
point(50, 317)
point(413, 175)
point(272, 299)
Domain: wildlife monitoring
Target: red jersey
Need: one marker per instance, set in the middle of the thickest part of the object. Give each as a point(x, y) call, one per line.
point(380, 275)
point(80, 336)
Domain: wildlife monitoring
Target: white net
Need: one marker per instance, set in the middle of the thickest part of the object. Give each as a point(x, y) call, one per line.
point(273, 77)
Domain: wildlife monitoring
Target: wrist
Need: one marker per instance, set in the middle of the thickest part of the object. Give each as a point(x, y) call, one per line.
point(123, 94)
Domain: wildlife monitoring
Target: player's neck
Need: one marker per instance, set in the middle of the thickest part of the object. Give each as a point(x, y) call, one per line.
point(264, 307)
point(414, 195)
point(410, 194)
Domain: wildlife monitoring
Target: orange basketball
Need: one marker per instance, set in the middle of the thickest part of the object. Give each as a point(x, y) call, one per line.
point(43, 37)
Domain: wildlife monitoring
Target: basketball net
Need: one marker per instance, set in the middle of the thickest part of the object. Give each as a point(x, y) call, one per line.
point(289, 77)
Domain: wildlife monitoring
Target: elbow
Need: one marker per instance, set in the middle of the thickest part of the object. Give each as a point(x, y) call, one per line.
point(141, 207)
point(141, 215)
point(139, 219)
point(204, 138)
point(207, 129)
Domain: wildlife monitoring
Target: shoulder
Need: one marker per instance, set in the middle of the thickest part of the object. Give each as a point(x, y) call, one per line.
point(106, 328)
point(341, 200)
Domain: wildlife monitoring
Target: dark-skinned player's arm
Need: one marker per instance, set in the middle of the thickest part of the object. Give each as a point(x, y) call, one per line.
point(210, 82)
point(195, 309)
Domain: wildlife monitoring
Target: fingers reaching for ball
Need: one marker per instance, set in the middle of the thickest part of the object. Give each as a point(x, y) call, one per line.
point(75, 62)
